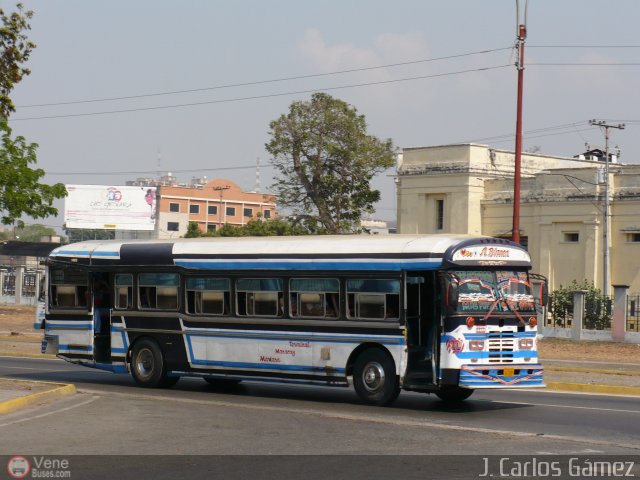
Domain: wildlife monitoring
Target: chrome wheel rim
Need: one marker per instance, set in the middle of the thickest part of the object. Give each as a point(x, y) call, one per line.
point(145, 363)
point(373, 376)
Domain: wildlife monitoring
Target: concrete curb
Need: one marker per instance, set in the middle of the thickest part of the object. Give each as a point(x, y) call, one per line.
point(588, 388)
point(628, 373)
point(60, 390)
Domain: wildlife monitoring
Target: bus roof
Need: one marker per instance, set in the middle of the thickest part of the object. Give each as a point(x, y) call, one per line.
point(313, 252)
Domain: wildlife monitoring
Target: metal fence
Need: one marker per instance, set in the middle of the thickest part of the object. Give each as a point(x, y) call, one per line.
point(633, 313)
point(8, 283)
point(597, 313)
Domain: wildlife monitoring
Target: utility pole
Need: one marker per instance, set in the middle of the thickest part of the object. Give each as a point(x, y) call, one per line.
point(521, 34)
point(606, 277)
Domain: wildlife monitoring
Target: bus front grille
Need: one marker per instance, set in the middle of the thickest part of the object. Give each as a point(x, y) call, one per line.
point(501, 347)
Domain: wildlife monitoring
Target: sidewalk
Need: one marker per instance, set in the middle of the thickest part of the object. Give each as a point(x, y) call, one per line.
point(17, 394)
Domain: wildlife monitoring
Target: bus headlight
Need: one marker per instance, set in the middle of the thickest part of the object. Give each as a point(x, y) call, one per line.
point(476, 345)
point(525, 343)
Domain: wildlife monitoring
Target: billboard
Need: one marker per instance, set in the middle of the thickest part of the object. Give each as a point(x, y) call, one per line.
point(110, 207)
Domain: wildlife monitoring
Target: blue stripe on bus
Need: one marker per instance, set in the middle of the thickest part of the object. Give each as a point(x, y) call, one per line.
point(310, 265)
point(497, 355)
point(492, 335)
point(297, 337)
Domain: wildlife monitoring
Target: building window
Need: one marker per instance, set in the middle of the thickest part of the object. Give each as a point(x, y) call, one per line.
point(231, 211)
point(440, 214)
point(211, 227)
point(174, 207)
point(248, 212)
point(571, 237)
point(194, 209)
point(267, 214)
point(633, 237)
point(212, 209)
point(173, 226)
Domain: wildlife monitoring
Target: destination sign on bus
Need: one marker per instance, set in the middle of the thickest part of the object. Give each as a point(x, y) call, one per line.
point(490, 252)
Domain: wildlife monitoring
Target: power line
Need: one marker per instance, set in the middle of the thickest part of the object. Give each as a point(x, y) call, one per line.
point(260, 82)
point(585, 64)
point(255, 97)
point(196, 170)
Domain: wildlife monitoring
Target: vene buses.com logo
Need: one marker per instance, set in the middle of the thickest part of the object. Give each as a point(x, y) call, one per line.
point(18, 467)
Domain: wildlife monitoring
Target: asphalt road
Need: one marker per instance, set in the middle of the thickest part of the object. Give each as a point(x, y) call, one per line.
point(110, 415)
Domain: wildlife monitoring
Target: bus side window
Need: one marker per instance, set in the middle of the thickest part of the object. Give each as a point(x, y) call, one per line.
point(373, 299)
point(259, 297)
point(124, 291)
point(69, 289)
point(314, 297)
point(208, 296)
point(158, 291)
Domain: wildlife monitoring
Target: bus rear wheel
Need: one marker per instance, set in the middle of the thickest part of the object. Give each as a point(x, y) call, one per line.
point(454, 394)
point(374, 377)
point(148, 367)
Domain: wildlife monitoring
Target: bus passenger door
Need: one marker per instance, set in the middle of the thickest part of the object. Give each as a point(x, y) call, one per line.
point(102, 304)
point(421, 328)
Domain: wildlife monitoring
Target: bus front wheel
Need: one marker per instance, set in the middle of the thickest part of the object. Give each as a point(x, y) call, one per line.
point(148, 366)
point(454, 394)
point(374, 377)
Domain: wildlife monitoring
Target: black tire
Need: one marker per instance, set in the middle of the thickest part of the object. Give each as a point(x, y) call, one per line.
point(148, 367)
point(454, 394)
point(374, 377)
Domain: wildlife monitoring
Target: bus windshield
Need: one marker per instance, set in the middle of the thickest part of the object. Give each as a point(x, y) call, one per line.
point(480, 291)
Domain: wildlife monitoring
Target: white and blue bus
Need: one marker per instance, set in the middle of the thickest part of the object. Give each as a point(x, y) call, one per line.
point(438, 314)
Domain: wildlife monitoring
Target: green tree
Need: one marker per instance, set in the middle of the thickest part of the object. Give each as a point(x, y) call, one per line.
point(33, 233)
point(81, 234)
point(260, 228)
point(326, 161)
point(21, 192)
point(15, 49)
point(193, 230)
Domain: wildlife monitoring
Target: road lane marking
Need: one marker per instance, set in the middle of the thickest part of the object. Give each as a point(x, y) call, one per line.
point(367, 418)
point(575, 407)
point(22, 420)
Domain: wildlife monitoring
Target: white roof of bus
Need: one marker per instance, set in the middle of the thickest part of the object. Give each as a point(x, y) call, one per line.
point(311, 244)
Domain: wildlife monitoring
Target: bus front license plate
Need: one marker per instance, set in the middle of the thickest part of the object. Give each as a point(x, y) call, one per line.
point(509, 372)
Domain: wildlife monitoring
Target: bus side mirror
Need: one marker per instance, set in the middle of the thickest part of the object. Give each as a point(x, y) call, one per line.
point(544, 295)
point(452, 295)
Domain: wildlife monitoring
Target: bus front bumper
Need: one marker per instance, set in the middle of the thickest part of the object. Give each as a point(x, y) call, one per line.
point(501, 376)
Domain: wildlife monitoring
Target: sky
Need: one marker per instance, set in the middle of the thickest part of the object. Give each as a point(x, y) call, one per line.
point(444, 73)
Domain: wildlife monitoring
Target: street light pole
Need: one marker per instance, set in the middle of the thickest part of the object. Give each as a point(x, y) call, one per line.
point(606, 276)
